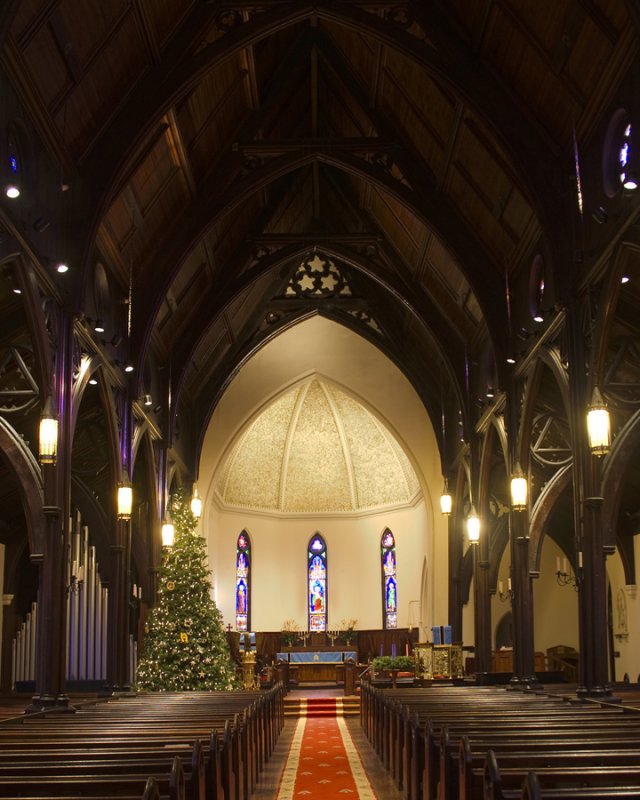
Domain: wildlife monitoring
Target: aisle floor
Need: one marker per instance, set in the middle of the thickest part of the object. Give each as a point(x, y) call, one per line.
point(384, 787)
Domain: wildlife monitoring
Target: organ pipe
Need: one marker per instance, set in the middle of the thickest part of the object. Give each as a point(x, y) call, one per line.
point(87, 616)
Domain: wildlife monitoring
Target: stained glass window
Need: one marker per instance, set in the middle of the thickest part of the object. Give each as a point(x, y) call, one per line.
point(389, 585)
point(243, 584)
point(317, 583)
point(624, 154)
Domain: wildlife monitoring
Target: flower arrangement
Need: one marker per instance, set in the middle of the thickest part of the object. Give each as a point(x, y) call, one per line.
point(347, 628)
point(289, 631)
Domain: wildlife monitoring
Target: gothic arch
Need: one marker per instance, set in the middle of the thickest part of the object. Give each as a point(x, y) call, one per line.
point(20, 461)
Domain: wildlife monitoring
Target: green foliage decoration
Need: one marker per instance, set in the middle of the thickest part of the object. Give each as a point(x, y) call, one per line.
point(402, 663)
point(185, 646)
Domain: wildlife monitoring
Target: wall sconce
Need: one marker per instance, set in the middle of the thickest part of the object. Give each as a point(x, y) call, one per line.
point(196, 502)
point(518, 490)
point(125, 501)
point(564, 577)
point(12, 190)
point(147, 400)
point(473, 526)
point(502, 595)
point(98, 326)
point(48, 436)
point(168, 533)
point(446, 501)
point(598, 425)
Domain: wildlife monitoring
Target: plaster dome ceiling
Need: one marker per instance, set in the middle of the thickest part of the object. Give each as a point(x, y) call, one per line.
point(316, 450)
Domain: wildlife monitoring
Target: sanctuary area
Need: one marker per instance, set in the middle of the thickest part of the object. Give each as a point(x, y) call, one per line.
point(320, 372)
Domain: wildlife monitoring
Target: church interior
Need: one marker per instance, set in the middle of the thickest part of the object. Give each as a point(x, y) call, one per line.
point(359, 276)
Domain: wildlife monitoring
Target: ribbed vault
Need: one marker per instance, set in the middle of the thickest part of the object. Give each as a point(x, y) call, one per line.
point(314, 450)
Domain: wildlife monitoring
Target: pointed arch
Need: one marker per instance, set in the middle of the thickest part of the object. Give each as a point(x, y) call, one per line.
point(243, 582)
point(317, 583)
point(389, 580)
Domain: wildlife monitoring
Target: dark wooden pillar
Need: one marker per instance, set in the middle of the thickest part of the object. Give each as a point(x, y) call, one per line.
point(589, 559)
point(482, 601)
point(118, 680)
point(522, 603)
point(52, 590)
point(455, 562)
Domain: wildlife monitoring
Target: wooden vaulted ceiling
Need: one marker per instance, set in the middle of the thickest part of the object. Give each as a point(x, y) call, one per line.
point(216, 146)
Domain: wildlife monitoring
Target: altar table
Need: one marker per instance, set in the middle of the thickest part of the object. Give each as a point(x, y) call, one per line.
point(317, 665)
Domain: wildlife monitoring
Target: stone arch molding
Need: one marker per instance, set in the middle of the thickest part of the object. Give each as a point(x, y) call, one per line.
point(21, 462)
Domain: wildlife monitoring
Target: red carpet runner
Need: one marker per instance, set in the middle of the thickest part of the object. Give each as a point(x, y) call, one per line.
point(323, 763)
point(320, 707)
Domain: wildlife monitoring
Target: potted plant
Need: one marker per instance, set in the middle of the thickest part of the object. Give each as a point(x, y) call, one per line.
point(388, 664)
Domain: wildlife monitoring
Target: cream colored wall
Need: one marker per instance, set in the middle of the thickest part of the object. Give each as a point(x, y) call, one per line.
point(555, 608)
point(626, 617)
point(324, 347)
point(279, 561)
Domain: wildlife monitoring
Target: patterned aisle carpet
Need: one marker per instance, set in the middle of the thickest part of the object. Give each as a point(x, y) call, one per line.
point(323, 763)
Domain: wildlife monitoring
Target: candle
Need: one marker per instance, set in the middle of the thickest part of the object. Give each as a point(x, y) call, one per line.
point(406, 649)
point(580, 558)
point(500, 586)
point(557, 563)
point(564, 566)
point(509, 583)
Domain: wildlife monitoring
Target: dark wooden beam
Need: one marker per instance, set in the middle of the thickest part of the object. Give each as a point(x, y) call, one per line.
point(354, 144)
point(434, 209)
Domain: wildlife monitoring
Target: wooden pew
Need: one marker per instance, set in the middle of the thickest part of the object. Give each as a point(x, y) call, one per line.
point(569, 782)
point(136, 738)
point(509, 722)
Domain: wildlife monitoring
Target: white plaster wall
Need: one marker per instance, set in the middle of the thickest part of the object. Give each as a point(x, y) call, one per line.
point(324, 347)
point(555, 608)
point(626, 618)
point(279, 563)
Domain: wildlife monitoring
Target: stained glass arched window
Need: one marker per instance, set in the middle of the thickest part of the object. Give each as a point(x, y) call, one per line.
point(243, 582)
point(317, 583)
point(389, 584)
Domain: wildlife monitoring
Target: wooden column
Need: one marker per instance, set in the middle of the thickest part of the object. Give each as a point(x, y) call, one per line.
point(589, 560)
point(52, 590)
point(522, 604)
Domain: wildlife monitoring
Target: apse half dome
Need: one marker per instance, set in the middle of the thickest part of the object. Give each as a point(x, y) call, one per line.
point(316, 450)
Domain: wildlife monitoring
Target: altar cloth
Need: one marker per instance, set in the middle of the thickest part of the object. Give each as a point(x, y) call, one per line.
point(318, 657)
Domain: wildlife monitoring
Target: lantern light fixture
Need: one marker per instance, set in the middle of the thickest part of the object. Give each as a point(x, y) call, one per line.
point(473, 526)
point(48, 436)
point(168, 533)
point(598, 424)
point(196, 502)
point(518, 490)
point(446, 502)
point(125, 500)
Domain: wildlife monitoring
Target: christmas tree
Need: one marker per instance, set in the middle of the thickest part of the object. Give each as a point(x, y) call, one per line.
point(185, 645)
